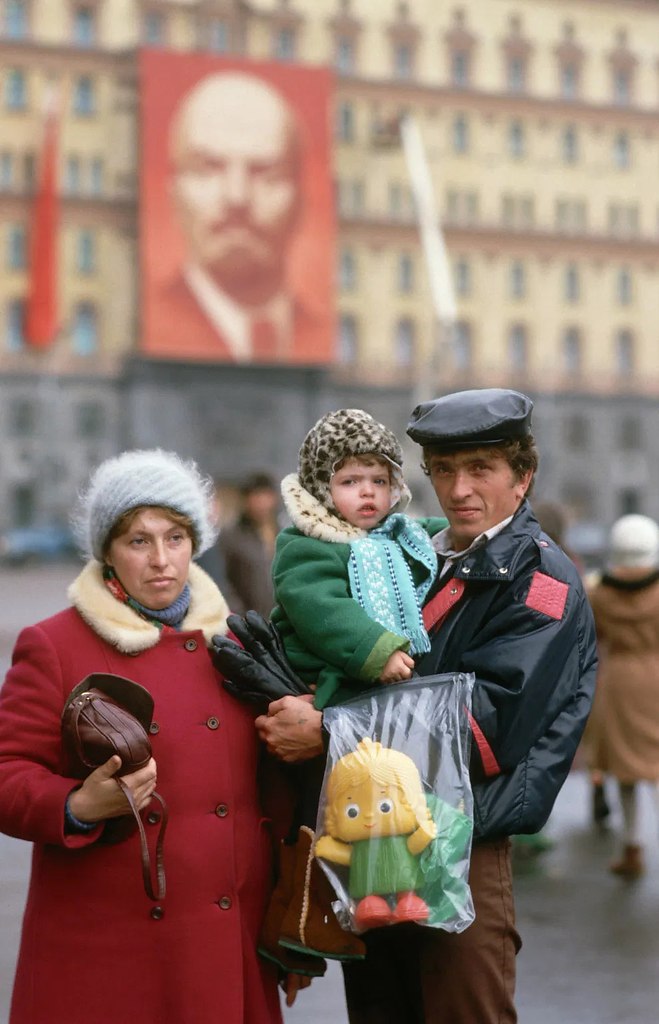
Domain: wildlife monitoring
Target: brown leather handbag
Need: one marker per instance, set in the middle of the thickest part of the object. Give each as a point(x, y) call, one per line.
point(104, 715)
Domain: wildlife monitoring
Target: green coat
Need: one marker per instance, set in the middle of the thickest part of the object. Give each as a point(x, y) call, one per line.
point(328, 637)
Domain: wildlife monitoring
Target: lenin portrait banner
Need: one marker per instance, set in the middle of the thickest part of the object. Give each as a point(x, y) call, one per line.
point(236, 210)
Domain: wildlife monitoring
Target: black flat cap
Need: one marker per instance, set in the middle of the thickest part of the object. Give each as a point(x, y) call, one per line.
point(471, 419)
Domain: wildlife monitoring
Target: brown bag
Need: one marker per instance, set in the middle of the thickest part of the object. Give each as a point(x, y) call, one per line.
point(104, 715)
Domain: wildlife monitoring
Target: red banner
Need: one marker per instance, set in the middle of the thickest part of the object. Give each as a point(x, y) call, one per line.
point(41, 314)
point(236, 210)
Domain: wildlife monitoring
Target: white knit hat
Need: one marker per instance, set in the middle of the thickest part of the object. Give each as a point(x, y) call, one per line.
point(135, 478)
point(634, 543)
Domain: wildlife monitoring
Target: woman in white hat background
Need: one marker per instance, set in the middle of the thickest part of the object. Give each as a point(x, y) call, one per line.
point(623, 735)
point(94, 946)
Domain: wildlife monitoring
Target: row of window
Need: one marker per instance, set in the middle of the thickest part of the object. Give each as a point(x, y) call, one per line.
point(517, 278)
point(517, 211)
point(23, 418)
point(81, 175)
point(83, 94)
point(460, 349)
point(516, 137)
point(82, 330)
point(17, 255)
point(219, 35)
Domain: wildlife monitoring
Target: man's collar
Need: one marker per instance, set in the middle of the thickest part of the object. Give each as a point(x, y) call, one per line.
point(442, 541)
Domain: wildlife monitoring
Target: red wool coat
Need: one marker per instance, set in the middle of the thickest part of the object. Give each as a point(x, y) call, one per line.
point(93, 947)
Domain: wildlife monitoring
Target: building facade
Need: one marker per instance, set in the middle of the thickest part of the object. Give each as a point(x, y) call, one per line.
point(540, 120)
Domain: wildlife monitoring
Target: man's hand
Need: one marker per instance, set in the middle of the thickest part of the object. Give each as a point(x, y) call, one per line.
point(291, 730)
point(292, 984)
point(100, 797)
point(398, 666)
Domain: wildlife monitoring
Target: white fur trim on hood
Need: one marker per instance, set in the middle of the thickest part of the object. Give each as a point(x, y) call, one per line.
point(312, 518)
point(122, 627)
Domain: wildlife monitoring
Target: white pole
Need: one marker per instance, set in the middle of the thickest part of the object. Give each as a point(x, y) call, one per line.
point(432, 239)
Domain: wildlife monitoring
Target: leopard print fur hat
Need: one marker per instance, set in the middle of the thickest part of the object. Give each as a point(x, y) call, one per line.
point(338, 436)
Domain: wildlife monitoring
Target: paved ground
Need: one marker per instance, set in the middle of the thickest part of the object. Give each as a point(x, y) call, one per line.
point(591, 942)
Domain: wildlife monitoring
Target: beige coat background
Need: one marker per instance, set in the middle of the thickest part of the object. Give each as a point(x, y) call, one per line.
point(623, 732)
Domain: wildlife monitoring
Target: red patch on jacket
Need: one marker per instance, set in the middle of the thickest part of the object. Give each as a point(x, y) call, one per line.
point(547, 595)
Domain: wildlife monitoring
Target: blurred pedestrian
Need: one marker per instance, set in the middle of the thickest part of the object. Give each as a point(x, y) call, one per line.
point(625, 732)
point(94, 948)
point(248, 546)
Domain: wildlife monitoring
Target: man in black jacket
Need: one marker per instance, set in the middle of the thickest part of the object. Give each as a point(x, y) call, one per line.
point(508, 606)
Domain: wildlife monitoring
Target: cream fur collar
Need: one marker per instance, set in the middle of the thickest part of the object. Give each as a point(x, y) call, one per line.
point(312, 518)
point(120, 626)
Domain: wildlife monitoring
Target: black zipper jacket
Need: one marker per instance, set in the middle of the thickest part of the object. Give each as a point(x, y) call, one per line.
point(521, 622)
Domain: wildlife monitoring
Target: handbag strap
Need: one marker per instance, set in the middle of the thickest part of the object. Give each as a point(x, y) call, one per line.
point(159, 893)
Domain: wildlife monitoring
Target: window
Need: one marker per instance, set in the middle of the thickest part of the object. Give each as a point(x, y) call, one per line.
point(153, 29)
point(72, 175)
point(96, 176)
point(6, 170)
point(15, 325)
point(23, 504)
point(624, 352)
point(630, 434)
point(16, 247)
point(84, 26)
point(84, 331)
point(460, 68)
point(29, 166)
point(22, 417)
point(345, 122)
point(283, 46)
point(570, 145)
point(462, 347)
point(516, 140)
point(460, 134)
point(405, 342)
point(405, 273)
point(572, 284)
point(621, 86)
point(577, 432)
point(84, 100)
point(517, 280)
point(347, 270)
point(629, 502)
point(517, 348)
point(621, 153)
point(16, 21)
point(348, 346)
point(345, 56)
point(90, 420)
point(624, 286)
point(86, 252)
point(403, 60)
point(572, 354)
point(462, 275)
point(569, 81)
point(15, 89)
point(217, 36)
point(516, 74)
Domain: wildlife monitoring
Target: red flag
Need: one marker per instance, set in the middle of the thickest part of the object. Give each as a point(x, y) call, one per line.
point(41, 314)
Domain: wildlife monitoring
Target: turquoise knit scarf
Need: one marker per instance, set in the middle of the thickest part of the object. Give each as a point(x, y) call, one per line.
point(381, 579)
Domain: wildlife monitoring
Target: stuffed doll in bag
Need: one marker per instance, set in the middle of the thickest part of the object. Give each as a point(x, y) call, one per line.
point(377, 823)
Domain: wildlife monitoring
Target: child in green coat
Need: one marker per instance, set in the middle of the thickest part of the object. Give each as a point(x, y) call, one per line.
point(350, 578)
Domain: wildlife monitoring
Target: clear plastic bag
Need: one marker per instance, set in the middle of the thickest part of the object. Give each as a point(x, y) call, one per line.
point(395, 818)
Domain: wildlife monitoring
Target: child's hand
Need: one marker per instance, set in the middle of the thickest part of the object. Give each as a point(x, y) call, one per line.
point(398, 666)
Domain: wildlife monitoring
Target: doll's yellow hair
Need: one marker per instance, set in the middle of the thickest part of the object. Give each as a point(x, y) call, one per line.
point(382, 765)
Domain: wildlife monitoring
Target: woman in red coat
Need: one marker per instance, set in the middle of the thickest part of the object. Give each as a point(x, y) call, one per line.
point(94, 946)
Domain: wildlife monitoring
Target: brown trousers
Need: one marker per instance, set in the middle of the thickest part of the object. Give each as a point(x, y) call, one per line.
point(419, 975)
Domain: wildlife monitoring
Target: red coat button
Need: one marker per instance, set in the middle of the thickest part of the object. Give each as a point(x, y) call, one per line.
point(190, 645)
point(225, 903)
point(157, 913)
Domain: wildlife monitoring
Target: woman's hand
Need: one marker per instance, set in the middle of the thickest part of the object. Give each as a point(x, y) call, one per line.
point(100, 797)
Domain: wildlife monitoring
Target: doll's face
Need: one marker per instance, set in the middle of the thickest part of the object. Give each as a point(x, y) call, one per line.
point(369, 810)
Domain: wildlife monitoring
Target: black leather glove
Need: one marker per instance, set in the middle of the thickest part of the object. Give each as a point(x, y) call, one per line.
point(258, 672)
